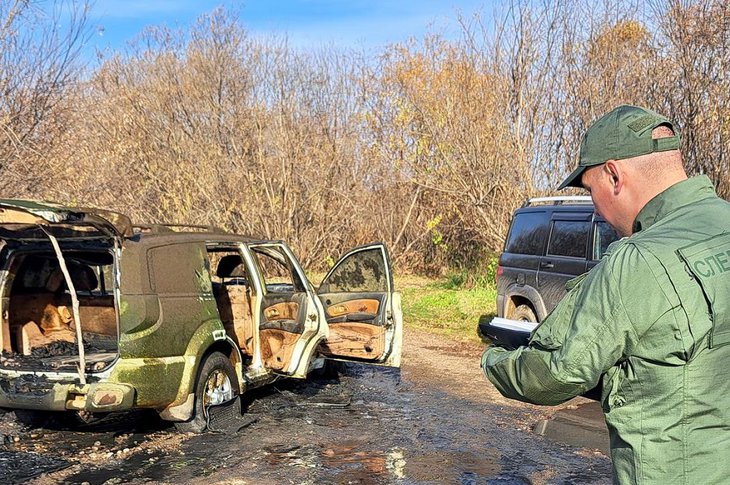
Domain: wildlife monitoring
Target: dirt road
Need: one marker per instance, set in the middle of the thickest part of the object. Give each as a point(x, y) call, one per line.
point(435, 421)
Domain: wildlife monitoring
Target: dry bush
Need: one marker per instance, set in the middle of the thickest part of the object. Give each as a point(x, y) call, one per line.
point(217, 128)
point(444, 121)
point(695, 37)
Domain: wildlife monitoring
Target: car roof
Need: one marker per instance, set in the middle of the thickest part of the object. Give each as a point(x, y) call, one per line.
point(580, 203)
point(32, 213)
point(25, 211)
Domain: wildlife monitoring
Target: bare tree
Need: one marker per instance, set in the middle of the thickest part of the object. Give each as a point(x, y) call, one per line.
point(39, 65)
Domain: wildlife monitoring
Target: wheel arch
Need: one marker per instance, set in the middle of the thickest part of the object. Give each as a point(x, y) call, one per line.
point(228, 348)
point(524, 295)
point(182, 409)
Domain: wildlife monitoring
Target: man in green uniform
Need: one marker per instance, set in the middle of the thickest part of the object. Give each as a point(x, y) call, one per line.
point(651, 322)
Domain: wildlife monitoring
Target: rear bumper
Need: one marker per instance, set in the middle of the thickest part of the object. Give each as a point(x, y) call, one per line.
point(98, 397)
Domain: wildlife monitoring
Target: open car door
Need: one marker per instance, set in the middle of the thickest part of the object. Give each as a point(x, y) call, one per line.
point(287, 316)
point(363, 312)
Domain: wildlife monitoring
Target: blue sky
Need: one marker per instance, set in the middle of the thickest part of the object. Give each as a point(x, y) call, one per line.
point(346, 23)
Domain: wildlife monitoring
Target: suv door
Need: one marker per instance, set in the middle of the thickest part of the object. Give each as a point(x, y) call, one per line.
point(285, 310)
point(565, 256)
point(363, 312)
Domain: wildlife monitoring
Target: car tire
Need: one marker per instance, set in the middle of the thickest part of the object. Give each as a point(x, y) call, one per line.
point(524, 313)
point(216, 384)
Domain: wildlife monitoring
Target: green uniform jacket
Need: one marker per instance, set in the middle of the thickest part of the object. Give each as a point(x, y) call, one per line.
point(651, 323)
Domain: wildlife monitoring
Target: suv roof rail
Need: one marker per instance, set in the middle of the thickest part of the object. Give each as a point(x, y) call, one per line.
point(559, 200)
point(193, 227)
point(161, 228)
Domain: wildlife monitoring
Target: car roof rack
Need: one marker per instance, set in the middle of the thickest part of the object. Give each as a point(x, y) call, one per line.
point(193, 228)
point(559, 200)
point(163, 228)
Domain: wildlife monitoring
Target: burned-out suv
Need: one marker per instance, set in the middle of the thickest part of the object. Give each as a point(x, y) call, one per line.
point(98, 315)
point(550, 241)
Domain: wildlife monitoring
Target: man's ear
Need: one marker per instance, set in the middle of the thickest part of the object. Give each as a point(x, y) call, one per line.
point(616, 174)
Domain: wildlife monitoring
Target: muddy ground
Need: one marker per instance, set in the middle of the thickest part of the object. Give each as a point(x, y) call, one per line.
point(437, 420)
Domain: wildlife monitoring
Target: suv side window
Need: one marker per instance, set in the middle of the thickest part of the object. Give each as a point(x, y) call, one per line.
point(603, 236)
point(275, 267)
point(528, 233)
point(362, 272)
point(569, 238)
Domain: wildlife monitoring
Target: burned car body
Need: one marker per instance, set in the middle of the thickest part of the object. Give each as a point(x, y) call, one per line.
point(100, 316)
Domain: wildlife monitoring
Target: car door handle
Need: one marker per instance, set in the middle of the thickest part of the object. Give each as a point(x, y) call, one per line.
point(547, 265)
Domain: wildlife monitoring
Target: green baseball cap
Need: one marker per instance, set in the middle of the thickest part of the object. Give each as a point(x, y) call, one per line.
point(624, 132)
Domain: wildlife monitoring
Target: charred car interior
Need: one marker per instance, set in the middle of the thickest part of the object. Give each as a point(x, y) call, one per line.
point(40, 324)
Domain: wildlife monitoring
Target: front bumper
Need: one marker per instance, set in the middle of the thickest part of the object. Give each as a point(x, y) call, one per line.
point(46, 395)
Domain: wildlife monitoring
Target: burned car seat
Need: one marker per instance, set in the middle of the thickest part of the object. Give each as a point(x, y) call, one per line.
point(233, 297)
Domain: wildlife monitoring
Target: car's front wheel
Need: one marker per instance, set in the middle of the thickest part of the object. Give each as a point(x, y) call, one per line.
point(216, 384)
point(524, 313)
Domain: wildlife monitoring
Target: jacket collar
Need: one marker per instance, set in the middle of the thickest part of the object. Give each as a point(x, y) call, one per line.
point(678, 195)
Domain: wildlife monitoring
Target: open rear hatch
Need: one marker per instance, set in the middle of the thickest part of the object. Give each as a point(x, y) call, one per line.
point(57, 286)
point(19, 213)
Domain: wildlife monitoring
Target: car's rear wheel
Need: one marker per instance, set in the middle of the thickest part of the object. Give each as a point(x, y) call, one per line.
point(216, 384)
point(524, 313)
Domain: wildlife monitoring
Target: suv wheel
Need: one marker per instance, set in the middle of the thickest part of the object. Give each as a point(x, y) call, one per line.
point(524, 313)
point(215, 385)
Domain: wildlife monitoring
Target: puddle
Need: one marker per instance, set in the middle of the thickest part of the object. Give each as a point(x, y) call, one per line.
point(134, 468)
point(453, 467)
point(29, 452)
point(367, 427)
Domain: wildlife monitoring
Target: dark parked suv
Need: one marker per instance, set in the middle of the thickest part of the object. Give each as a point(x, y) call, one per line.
point(551, 240)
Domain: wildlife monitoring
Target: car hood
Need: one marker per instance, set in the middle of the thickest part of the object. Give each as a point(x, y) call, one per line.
point(112, 224)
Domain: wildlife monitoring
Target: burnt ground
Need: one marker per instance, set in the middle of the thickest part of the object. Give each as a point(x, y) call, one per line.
point(435, 421)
